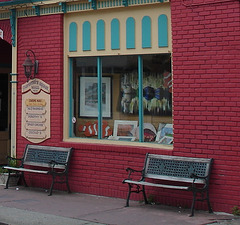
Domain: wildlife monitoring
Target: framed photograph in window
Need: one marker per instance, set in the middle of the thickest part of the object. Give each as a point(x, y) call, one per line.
point(166, 140)
point(164, 130)
point(124, 128)
point(123, 138)
point(88, 97)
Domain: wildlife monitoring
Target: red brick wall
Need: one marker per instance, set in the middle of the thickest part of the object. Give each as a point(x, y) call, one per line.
point(43, 35)
point(206, 40)
point(206, 105)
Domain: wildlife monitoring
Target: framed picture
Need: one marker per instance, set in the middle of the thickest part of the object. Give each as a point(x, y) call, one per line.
point(164, 130)
point(166, 140)
point(123, 138)
point(88, 97)
point(124, 128)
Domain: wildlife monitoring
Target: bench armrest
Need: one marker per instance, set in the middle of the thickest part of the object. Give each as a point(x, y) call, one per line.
point(198, 177)
point(130, 171)
point(53, 163)
point(205, 178)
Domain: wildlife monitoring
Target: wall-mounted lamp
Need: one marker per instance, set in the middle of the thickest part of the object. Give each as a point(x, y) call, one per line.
point(29, 65)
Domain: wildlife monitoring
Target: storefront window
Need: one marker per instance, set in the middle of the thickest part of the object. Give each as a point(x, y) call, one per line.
point(135, 101)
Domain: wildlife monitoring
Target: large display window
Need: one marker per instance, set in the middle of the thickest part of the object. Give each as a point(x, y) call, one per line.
point(122, 98)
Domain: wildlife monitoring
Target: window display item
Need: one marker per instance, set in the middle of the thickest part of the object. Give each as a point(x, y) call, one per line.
point(91, 129)
point(165, 133)
point(149, 132)
point(124, 127)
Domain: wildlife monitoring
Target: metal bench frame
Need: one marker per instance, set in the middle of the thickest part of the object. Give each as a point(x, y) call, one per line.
point(43, 160)
point(191, 174)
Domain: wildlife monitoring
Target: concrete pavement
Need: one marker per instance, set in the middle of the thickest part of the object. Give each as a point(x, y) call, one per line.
point(31, 206)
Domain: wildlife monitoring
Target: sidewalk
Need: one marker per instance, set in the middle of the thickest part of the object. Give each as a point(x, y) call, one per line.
point(30, 206)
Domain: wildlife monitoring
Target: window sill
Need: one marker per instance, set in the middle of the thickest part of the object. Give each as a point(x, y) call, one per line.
point(91, 141)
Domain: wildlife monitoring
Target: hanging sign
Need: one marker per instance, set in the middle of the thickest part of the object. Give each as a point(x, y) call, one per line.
point(36, 111)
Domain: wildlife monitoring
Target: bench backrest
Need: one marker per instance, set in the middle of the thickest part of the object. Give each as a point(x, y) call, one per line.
point(176, 168)
point(37, 155)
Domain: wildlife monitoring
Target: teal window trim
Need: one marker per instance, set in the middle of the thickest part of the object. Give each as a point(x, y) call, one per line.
point(86, 36)
point(162, 31)
point(94, 4)
point(63, 6)
point(115, 34)
point(73, 37)
point(146, 32)
point(70, 97)
point(19, 2)
point(99, 74)
point(130, 33)
point(37, 10)
point(140, 94)
point(100, 35)
point(125, 3)
point(13, 74)
point(13, 26)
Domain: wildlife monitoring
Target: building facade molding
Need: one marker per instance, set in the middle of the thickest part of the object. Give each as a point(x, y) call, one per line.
point(56, 7)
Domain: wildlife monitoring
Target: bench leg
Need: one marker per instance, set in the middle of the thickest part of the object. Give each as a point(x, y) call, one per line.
point(6, 187)
point(23, 178)
point(51, 188)
point(129, 193)
point(144, 195)
point(9, 177)
point(193, 204)
point(138, 190)
point(209, 205)
point(69, 191)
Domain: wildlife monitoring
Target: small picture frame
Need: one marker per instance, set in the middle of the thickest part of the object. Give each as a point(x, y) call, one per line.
point(124, 128)
point(167, 140)
point(164, 130)
point(123, 138)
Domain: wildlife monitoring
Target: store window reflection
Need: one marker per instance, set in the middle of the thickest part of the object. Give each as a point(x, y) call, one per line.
point(120, 101)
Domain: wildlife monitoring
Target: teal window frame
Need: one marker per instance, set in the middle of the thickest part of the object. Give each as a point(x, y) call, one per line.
point(99, 92)
point(99, 76)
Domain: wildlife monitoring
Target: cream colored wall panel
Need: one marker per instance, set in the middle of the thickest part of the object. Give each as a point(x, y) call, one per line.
point(137, 12)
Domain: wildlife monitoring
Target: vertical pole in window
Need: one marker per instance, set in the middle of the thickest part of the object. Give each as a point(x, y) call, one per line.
point(140, 94)
point(99, 74)
point(70, 97)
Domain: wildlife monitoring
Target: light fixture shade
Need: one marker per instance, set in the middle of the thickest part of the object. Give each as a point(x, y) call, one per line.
point(28, 66)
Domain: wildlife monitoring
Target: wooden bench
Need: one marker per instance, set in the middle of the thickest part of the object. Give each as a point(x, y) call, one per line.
point(43, 160)
point(184, 173)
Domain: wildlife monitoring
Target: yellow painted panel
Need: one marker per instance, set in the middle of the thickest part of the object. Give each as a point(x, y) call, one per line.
point(137, 12)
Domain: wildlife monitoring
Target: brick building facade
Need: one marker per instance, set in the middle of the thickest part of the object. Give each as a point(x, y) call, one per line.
point(205, 39)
